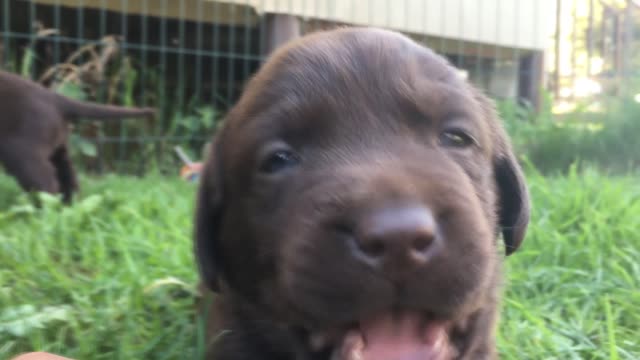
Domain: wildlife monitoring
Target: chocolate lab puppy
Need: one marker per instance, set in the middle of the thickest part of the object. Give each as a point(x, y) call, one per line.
point(34, 132)
point(351, 207)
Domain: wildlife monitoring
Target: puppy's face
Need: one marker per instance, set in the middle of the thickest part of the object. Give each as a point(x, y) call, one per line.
point(356, 192)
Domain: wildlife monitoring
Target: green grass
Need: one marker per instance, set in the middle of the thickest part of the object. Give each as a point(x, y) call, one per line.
point(607, 140)
point(113, 276)
point(574, 289)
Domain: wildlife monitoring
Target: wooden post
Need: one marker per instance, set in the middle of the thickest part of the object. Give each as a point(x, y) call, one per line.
point(531, 77)
point(618, 53)
point(280, 28)
point(590, 38)
point(574, 42)
point(627, 41)
point(603, 34)
point(556, 74)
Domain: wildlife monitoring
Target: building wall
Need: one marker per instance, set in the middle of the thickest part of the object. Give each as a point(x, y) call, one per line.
point(524, 24)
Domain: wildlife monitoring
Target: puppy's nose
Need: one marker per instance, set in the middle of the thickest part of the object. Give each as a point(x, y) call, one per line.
point(397, 240)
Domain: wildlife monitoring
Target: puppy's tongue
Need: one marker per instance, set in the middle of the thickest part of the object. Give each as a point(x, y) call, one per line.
point(406, 336)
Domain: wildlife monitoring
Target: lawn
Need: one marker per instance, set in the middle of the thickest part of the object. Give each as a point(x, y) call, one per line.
point(113, 276)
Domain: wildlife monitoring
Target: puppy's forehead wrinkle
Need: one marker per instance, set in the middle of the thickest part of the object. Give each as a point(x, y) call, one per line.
point(356, 60)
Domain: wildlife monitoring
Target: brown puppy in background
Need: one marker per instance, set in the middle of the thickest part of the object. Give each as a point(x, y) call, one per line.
point(34, 133)
point(351, 205)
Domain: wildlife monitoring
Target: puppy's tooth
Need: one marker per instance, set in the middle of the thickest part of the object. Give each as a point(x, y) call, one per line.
point(442, 344)
point(358, 348)
point(356, 354)
point(351, 348)
point(439, 341)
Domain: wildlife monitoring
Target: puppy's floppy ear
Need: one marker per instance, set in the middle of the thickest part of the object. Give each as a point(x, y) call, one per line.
point(514, 200)
point(209, 204)
point(513, 195)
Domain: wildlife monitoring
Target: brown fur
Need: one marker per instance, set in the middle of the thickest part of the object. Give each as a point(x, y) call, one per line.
point(34, 130)
point(364, 111)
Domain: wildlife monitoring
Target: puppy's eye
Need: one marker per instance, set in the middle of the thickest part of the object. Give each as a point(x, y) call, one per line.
point(456, 138)
point(278, 160)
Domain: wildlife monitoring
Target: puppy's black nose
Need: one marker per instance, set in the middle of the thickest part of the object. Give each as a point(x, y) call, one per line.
point(397, 240)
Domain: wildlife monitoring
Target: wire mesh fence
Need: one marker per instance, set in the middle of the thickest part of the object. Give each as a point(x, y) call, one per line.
point(191, 58)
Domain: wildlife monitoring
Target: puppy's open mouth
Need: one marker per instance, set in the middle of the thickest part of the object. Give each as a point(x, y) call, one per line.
point(389, 336)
